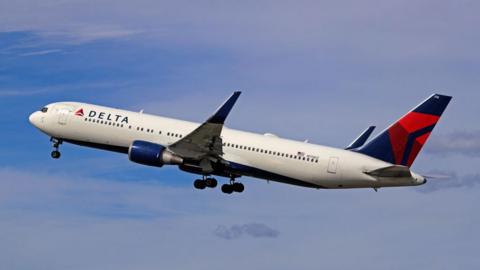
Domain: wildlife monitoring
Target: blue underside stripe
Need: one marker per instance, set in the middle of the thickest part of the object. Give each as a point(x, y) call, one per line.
point(234, 167)
point(258, 173)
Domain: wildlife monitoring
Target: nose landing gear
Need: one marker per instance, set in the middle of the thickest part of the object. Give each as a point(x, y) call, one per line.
point(56, 144)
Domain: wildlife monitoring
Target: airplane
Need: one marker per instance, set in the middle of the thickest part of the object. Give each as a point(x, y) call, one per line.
point(210, 149)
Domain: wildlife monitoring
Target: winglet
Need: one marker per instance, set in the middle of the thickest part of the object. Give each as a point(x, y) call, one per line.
point(221, 114)
point(360, 141)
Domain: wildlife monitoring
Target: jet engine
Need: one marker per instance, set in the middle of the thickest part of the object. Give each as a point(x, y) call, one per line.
point(152, 154)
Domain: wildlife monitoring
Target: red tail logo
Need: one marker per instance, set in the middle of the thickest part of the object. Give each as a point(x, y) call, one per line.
point(79, 112)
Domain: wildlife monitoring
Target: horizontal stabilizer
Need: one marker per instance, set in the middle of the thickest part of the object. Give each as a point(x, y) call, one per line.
point(360, 141)
point(391, 171)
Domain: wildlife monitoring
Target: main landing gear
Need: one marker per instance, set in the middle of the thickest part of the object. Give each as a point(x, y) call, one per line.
point(56, 144)
point(233, 187)
point(205, 182)
point(212, 183)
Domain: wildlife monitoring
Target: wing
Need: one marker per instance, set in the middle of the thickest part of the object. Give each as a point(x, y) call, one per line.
point(205, 141)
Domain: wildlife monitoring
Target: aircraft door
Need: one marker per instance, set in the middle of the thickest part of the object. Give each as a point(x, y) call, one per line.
point(63, 115)
point(332, 165)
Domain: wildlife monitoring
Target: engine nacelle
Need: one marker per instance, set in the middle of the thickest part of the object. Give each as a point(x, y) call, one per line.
point(152, 154)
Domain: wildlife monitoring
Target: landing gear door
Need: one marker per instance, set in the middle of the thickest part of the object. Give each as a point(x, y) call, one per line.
point(332, 165)
point(63, 115)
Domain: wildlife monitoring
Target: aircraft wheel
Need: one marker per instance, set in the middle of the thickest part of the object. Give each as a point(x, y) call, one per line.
point(55, 154)
point(238, 187)
point(200, 184)
point(211, 182)
point(228, 189)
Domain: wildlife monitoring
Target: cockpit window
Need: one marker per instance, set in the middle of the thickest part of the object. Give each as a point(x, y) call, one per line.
point(44, 109)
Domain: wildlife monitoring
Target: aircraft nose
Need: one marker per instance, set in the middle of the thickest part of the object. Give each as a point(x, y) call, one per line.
point(34, 119)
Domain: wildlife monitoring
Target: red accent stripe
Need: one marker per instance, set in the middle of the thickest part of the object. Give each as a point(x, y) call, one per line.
point(414, 121)
point(398, 139)
point(79, 112)
point(417, 146)
point(400, 131)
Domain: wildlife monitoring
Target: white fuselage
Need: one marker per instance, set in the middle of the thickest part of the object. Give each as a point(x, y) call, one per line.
point(263, 156)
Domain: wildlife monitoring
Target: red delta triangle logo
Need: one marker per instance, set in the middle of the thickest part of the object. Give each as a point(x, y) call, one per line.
point(79, 112)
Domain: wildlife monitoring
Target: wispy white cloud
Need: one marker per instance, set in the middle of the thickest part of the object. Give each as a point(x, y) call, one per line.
point(256, 230)
point(87, 33)
point(441, 181)
point(134, 225)
point(23, 92)
point(460, 143)
point(392, 31)
point(86, 87)
point(42, 52)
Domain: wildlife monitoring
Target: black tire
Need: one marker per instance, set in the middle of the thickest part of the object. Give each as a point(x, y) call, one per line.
point(238, 187)
point(228, 189)
point(199, 184)
point(211, 182)
point(55, 154)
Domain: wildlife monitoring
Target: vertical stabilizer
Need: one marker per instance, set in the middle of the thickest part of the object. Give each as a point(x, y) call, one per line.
point(402, 141)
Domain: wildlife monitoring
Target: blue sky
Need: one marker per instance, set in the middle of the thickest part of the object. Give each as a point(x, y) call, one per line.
point(317, 70)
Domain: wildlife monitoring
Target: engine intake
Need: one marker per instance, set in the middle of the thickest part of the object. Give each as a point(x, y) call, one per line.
point(152, 154)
